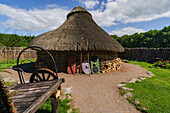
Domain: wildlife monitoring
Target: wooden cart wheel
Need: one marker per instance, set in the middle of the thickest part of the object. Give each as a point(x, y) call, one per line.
point(43, 75)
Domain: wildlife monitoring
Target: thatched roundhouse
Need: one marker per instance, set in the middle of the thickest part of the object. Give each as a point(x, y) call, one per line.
point(79, 28)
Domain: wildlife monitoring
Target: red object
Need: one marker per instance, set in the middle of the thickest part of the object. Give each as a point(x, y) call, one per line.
point(78, 68)
point(71, 68)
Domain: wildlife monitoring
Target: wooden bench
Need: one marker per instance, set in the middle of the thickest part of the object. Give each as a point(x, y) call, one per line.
point(27, 98)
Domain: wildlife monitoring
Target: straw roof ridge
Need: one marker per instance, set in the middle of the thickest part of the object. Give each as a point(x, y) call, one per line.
point(78, 9)
point(79, 27)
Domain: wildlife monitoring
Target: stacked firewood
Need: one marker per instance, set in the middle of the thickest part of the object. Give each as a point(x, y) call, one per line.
point(112, 66)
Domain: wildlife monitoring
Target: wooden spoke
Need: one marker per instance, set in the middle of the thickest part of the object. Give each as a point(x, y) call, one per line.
point(43, 75)
point(48, 77)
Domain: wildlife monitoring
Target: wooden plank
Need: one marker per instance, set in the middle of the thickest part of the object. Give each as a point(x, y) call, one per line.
point(33, 85)
point(30, 92)
point(33, 88)
point(34, 107)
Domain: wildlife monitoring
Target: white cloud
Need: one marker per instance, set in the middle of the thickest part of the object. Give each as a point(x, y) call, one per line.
point(109, 13)
point(128, 11)
point(90, 4)
point(127, 30)
point(34, 19)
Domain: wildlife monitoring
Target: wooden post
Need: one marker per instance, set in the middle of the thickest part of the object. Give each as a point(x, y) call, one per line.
point(88, 51)
point(54, 103)
point(81, 55)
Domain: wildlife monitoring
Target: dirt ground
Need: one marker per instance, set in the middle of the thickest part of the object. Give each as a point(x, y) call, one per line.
point(97, 93)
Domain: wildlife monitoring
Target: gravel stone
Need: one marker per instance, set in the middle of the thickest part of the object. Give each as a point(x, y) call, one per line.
point(148, 72)
point(120, 85)
point(125, 88)
point(133, 80)
point(142, 78)
point(137, 102)
point(128, 94)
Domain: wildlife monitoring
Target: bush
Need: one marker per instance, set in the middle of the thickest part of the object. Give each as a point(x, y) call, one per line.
point(167, 66)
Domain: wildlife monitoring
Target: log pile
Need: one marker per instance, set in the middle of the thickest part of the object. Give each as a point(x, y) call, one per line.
point(112, 66)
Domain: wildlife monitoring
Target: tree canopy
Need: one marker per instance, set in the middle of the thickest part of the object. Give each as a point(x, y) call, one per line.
point(11, 40)
point(150, 39)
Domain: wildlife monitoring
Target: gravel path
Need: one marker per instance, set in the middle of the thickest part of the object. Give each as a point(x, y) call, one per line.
point(98, 93)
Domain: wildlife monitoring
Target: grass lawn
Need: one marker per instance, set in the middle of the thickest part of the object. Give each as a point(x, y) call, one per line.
point(153, 93)
point(10, 63)
point(47, 108)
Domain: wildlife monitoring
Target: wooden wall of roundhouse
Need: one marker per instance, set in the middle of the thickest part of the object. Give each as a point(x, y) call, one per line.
point(61, 57)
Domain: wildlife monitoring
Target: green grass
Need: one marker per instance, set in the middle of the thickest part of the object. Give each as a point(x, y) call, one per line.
point(7, 64)
point(75, 110)
point(9, 83)
point(153, 93)
point(63, 106)
point(10, 63)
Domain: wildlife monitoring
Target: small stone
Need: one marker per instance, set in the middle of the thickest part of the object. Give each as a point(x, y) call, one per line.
point(142, 78)
point(144, 108)
point(133, 80)
point(128, 94)
point(136, 102)
point(150, 66)
point(125, 61)
point(151, 74)
point(68, 90)
point(120, 85)
point(125, 88)
point(148, 72)
point(139, 80)
point(69, 111)
point(68, 97)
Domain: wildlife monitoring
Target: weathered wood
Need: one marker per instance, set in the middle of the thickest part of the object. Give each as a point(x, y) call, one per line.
point(54, 103)
point(34, 107)
point(9, 53)
point(81, 55)
point(145, 54)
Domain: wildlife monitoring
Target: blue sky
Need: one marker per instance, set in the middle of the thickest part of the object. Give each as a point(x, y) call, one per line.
point(120, 17)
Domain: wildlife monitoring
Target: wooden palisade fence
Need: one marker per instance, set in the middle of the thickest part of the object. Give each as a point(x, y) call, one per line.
point(140, 54)
point(146, 54)
point(10, 53)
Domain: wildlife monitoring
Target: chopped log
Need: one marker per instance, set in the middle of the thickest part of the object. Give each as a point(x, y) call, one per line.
point(115, 65)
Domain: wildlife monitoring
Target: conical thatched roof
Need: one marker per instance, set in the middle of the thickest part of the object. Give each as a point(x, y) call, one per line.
point(68, 36)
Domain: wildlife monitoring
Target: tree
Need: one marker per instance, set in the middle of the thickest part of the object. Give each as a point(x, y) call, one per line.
point(151, 39)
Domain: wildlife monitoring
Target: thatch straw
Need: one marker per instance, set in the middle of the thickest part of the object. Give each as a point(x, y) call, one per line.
point(68, 36)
